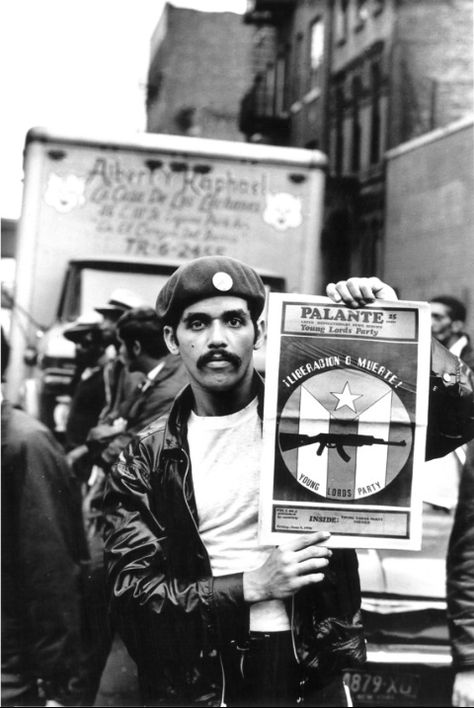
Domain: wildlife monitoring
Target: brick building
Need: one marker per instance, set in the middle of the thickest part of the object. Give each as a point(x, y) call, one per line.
point(430, 215)
point(199, 70)
point(356, 78)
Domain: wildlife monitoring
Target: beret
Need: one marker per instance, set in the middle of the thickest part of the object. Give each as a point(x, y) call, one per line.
point(209, 276)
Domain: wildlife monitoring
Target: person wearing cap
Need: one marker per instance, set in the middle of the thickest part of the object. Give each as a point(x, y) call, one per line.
point(143, 350)
point(87, 400)
point(87, 386)
point(210, 616)
point(120, 383)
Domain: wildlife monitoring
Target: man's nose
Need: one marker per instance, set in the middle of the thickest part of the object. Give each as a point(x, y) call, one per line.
point(217, 334)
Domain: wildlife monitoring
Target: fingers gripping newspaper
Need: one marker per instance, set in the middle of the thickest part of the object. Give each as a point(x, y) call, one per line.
point(345, 414)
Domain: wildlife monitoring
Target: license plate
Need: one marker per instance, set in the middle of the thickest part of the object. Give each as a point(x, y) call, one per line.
point(382, 689)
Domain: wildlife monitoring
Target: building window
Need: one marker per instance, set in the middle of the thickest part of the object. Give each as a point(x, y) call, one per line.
point(362, 13)
point(370, 248)
point(316, 52)
point(356, 127)
point(259, 93)
point(270, 90)
point(280, 85)
point(342, 21)
point(153, 89)
point(298, 68)
point(375, 114)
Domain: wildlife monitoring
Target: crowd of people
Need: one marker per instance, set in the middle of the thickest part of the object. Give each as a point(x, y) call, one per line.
point(144, 520)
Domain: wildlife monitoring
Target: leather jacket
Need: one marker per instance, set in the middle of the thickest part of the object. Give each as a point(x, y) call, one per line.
point(173, 615)
point(460, 571)
point(44, 553)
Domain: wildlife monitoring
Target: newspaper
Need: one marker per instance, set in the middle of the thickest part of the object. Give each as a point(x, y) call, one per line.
point(345, 414)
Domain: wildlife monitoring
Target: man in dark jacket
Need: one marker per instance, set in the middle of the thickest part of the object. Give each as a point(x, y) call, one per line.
point(143, 350)
point(448, 322)
point(43, 547)
point(87, 386)
point(210, 616)
point(119, 381)
point(442, 475)
point(460, 587)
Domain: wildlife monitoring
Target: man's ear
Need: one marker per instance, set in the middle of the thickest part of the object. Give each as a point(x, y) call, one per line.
point(457, 326)
point(136, 348)
point(259, 334)
point(170, 339)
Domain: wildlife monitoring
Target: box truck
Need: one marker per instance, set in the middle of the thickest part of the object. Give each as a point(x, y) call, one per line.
point(99, 214)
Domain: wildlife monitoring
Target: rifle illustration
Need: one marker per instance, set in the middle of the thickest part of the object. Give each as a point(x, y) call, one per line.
point(288, 441)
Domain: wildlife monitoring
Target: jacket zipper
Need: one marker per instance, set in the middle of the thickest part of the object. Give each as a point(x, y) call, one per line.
point(292, 627)
point(302, 679)
point(185, 478)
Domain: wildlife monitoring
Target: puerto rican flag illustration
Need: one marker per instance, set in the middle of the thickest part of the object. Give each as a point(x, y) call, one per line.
point(338, 403)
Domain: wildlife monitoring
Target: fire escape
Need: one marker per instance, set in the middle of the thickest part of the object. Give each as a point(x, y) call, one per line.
point(264, 115)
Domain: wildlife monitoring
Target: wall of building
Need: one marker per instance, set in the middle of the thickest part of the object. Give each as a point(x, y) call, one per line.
point(399, 68)
point(308, 85)
point(392, 70)
point(430, 215)
point(432, 66)
point(199, 70)
point(361, 46)
point(355, 33)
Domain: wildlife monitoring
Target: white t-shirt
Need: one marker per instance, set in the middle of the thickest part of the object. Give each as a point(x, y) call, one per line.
point(225, 459)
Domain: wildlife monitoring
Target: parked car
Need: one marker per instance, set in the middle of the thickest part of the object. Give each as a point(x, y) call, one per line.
point(404, 610)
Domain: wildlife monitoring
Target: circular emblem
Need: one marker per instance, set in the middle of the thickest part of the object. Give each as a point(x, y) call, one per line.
point(222, 281)
point(344, 434)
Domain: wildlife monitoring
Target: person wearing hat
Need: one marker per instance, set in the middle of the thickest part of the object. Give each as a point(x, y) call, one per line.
point(88, 385)
point(143, 350)
point(120, 383)
point(210, 616)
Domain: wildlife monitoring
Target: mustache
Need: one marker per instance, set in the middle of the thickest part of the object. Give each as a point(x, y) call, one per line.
point(223, 356)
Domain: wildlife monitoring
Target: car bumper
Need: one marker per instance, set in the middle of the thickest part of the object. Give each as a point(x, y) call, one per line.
point(400, 675)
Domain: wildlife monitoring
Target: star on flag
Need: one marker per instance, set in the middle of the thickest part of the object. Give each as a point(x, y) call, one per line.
point(346, 398)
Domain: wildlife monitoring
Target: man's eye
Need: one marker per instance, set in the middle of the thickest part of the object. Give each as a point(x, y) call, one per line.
point(196, 324)
point(235, 322)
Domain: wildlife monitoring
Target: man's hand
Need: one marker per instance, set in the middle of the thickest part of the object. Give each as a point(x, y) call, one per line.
point(289, 567)
point(101, 432)
point(75, 455)
point(357, 292)
point(463, 689)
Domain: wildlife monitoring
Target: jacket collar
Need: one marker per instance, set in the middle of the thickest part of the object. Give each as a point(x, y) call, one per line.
point(177, 424)
point(166, 368)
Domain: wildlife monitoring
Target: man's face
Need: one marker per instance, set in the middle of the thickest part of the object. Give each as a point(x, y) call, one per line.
point(441, 322)
point(88, 350)
point(127, 355)
point(216, 338)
